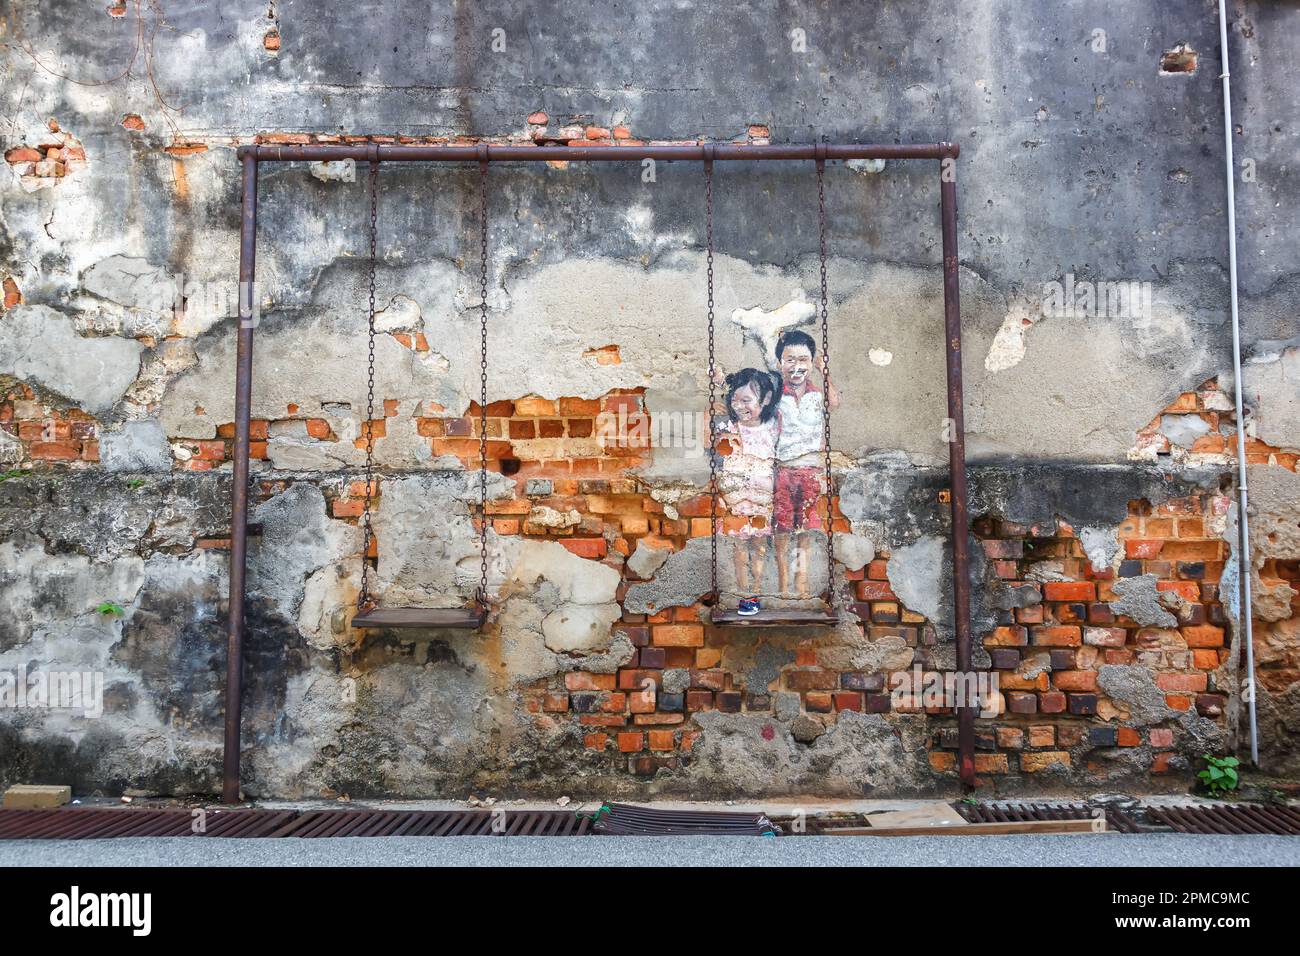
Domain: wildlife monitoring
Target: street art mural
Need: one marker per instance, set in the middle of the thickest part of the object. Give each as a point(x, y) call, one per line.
point(773, 442)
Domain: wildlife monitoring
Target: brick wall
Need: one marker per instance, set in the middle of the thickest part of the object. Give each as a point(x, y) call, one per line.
point(574, 488)
point(49, 432)
point(1047, 654)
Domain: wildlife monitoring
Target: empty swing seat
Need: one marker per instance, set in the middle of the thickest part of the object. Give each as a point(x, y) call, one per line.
point(469, 618)
point(776, 617)
point(456, 618)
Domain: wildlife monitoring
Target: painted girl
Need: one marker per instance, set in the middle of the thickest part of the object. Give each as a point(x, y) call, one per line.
point(746, 477)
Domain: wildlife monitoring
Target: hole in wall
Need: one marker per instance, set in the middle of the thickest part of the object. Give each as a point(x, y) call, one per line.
point(1181, 59)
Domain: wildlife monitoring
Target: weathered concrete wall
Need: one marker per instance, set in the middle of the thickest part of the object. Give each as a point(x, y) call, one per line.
point(1103, 439)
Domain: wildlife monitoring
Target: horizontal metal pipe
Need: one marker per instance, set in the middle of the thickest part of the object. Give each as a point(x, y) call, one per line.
point(267, 153)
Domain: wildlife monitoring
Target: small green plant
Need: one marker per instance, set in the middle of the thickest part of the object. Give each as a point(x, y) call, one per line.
point(12, 473)
point(135, 483)
point(1219, 775)
point(110, 609)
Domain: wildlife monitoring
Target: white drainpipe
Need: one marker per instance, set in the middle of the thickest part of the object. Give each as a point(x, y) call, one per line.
point(1243, 526)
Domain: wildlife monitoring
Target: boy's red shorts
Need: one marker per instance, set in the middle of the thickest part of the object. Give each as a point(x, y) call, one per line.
point(794, 499)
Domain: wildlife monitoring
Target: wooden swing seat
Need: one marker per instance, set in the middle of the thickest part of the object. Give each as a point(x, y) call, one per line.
point(455, 618)
point(470, 618)
point(776, 617)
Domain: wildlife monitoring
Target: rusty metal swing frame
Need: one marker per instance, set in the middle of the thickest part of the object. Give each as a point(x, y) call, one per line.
point(252, 156)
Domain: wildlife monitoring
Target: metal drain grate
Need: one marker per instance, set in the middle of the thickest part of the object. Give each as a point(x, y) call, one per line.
point(106, 823)
point(435, 823)
point(1116, 819)
point(1231, 819)
point(100, 823)
point(623, 819)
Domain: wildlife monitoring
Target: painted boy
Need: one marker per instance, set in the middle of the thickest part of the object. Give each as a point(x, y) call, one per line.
point(800, 448)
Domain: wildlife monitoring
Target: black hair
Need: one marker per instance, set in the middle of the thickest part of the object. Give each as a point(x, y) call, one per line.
point(766, 385)
point(795, 337)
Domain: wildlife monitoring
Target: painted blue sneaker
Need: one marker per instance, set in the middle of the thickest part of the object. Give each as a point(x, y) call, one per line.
point(749, 607)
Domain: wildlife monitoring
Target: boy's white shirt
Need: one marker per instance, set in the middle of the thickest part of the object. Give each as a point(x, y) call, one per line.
point(800, 441)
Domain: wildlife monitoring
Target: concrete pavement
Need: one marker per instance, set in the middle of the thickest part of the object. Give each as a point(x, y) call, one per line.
point(998, 851)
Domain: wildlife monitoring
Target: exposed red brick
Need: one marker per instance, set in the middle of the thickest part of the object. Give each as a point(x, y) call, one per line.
point(533, 406)
point(1161, 763)
point(1059, 636)
point(55, 450)
point(991, 763)
point(818, 701)
point(1010, 636)
point(587, 547)
point(1142, 548)
point(1070, 591)
point(1052, 702)
point(1181, 682)
point(1075, 680)
point(602, 720)
point(1203, 636)
point(1010, 738)
point(942, 762)
point(678, 635)
point(12, 294)
point(1034, 762)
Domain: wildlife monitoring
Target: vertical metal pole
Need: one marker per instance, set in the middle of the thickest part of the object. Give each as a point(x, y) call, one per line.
point(1246, 626)
point(239, 490)
point(957, 463)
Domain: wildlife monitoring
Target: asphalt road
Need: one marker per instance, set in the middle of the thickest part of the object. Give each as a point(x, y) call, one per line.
point(993, 851)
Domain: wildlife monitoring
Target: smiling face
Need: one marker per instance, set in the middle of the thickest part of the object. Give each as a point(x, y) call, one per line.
point(796, 364)
point(747, 405)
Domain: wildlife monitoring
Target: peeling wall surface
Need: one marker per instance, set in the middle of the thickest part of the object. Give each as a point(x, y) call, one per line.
point(1098, 397)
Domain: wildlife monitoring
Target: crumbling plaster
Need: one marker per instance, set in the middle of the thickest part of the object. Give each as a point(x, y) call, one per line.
point(1057, 176)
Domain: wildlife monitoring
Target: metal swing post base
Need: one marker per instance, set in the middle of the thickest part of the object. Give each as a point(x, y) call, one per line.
point(248, 305)
point(960, 528)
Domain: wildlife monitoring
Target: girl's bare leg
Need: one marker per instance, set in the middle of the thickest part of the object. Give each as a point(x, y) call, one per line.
point(782, 544)
point(758, 559)
point(740, 556)
point(801, 564)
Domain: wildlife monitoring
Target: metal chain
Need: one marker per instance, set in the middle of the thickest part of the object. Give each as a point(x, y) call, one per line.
point(713, 440)
point(481, 596)
point(363, 597)
point(826, 380)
